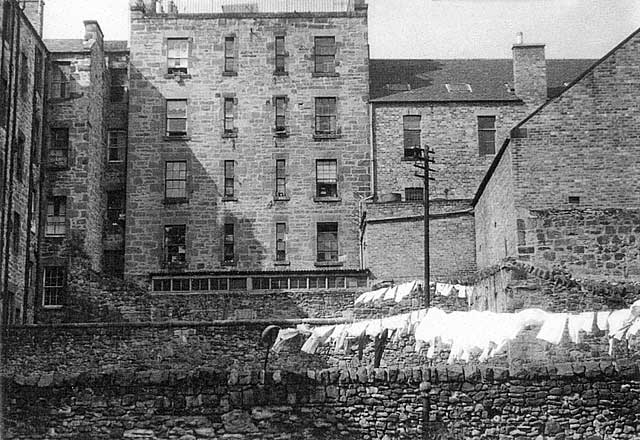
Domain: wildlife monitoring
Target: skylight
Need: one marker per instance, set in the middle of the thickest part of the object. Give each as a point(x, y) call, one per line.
point(399, 87)
point(458, 88)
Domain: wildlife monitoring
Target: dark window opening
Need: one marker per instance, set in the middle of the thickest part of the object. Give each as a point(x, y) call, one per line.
point(118, 89)
point(61, 80)
point(281, 241)
point(327, 242)
point(281, 178)
point(574, 200)
point(414, 194)
point(412, 133)
point(114, 263)
point(230, 54)
point(281, 102)
point(59, 148)
point(115, 210)
point(327, 178)
point(229, 243)
point(487, 134)
point(175, 244)
point(280, 54)
point(56, 225)
point(325, 54)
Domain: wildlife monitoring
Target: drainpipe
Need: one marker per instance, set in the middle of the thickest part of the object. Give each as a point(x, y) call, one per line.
point(362, 228)
point(374, 190)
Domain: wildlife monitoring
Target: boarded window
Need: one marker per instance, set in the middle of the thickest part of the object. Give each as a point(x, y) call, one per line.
point(487, 135)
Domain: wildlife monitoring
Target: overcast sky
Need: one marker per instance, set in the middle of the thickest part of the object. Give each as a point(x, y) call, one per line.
point(430, 28)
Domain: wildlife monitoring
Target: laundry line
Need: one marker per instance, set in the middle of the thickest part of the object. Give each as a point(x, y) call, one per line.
point(401, 291)
point(465, 334)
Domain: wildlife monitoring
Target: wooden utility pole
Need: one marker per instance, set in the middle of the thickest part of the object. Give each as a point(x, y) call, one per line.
point(422, 160)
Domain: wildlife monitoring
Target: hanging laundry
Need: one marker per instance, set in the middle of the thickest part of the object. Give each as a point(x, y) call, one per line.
point(405, 290)
point(357, 329)
point(374, 328)
point(284, 335)
point(390, 294)
point(533, 316)
point(444, 289)
point(553, 328)
point(462, 290)
point(367, 297)
point(602, 320)
point(581, 322)
point(619, 323)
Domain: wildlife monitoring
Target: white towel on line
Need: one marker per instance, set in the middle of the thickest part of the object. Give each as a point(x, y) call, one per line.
point(553, 328)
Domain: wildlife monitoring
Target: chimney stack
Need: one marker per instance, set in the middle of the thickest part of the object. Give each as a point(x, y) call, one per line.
point(529, 71)
point(92, 33)
point(34, 10)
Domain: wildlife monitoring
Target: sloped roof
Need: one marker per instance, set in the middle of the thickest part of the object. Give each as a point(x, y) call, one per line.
point(489, 79)
point(75, 45)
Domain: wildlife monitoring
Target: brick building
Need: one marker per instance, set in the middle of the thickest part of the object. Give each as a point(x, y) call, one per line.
point(248, 145)
point(21, 114)
point(563, 189)
point(460, 109)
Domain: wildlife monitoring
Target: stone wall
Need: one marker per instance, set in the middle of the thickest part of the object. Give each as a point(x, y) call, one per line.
point(20, 149)
point(495, 216)
point(587, 401)
point(451, 130)
point(589, 243)
point(394, 241)
point(254, 147)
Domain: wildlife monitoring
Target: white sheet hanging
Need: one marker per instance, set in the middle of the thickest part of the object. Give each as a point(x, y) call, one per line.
point(553, 328)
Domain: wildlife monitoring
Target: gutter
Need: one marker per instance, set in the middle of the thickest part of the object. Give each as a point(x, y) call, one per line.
point(410, 218)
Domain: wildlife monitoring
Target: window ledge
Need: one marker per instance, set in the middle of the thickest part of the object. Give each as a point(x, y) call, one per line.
point(282, 263)
point(281, 133)
point(327, 199)
point(324, 137)
point(410, 159)
point(229, 263)
point(177, 75)
point(55, 237)
point(115, 162)
point(281, 198)
point(325, 75)
point(230, 134)
point(175, 201)
point(176, 138)
point(225, 73)
point(229, 199)
point(328, 264)
point(278, 73)
point(52, 307)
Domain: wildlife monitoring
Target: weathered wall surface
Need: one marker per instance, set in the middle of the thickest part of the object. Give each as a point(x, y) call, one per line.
point(394, 241)
point(451, 130)
point(586, 401)
point(495, 216)
point(254, 212)
point(592, 243)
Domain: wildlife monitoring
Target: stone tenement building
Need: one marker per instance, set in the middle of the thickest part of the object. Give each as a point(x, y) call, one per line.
point(248, 151)
point(461, 109)
point(563, 191)
point(21, 121)
point(85, 163)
